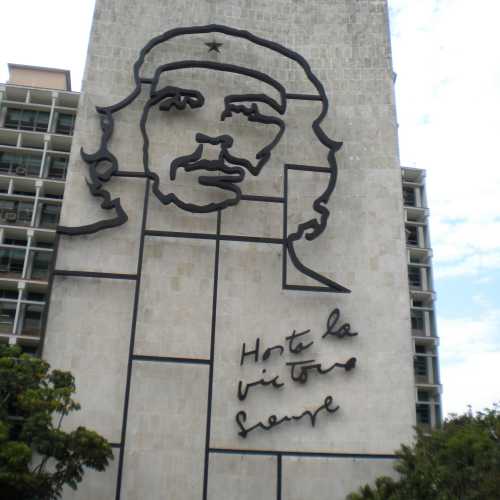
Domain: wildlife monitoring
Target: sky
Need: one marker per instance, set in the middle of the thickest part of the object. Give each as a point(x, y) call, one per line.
point(447, 59)
point(445, 53)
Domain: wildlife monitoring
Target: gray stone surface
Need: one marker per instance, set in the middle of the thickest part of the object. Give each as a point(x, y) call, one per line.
point(163, 327)
point(243, 477)
point(362, 247)
point(88, 333)
point(331, 478)
point(165, 433)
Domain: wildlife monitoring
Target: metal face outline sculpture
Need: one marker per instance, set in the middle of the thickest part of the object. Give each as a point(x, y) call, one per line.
point(310, 229)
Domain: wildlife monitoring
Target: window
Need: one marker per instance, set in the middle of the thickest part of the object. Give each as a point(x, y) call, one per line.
point(409, 197)
point(420, 366)
point(34, 296)
point(65, 124)
point(27, 119)
point(50, 216)
point(19, 243)
point(57, 167)
point(412, 235)
point(417, 321)
point(53, 196)
point(7, 315)
point(28, 348)
point(17, 213)
point(21, 165)
point(40, 266)
point(13, 118)
point(9, 294)
point(11, 262)
point(43, 244)
point(415, 277)
point(23, 193)
point(423, 414)
point(31, 320)
point(423, 396)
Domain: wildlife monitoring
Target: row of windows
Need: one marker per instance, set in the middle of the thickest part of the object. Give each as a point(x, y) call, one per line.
point(20, 213)
point(12, 261)
point(30, 165)
point(23, 243)
point(38, 121)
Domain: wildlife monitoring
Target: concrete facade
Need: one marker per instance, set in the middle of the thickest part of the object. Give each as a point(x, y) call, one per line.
point(159, 307)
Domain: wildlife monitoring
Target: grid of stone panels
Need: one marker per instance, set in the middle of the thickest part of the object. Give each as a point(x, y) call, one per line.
point(277, 459)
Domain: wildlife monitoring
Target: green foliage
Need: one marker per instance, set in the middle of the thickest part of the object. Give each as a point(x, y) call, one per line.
point(460, 461)
point(37, 457)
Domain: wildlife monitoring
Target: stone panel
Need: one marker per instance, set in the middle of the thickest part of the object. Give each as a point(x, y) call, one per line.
point(88, 333)
point(252, 304)
point(166, 432)
point(115, 250)
point(164, 328)
point(330, 479)
point(243, 477)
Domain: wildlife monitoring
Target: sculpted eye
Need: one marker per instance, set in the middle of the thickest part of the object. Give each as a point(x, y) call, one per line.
point(182, 98)
point(249, 111)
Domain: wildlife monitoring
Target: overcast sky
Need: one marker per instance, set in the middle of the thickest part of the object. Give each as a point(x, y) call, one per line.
point(446, 56)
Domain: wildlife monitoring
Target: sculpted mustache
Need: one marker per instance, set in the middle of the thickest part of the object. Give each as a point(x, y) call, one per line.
point(194, 162)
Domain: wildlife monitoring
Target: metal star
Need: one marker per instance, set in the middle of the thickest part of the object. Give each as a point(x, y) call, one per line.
point(213, 45)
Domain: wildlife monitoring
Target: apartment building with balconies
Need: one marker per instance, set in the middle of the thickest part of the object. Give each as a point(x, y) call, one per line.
point(37, 116)
point(422, 298)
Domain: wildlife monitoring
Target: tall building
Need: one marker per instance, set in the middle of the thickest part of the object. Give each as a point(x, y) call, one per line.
point(37, 115)
point(247, 333)
point(422, 297)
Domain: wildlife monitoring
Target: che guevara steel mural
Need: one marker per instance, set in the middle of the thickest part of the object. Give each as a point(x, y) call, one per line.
point(228, 172)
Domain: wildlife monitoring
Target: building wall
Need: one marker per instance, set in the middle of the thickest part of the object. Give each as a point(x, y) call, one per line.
point(39, 77)
point(151, 316)
point(36, 127)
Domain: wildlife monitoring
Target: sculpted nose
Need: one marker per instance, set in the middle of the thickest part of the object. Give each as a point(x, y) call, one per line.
point(226, 141)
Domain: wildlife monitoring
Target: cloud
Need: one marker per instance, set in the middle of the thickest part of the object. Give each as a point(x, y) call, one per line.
point(449, 115)
point(52, 33)
point(470, 361)
point(472, 265)
point(474, 382)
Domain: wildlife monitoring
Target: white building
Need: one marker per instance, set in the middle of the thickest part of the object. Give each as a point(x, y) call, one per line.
point(37, 113)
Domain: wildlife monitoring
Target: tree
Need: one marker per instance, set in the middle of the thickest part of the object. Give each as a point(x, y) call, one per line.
point(37, 457)
point(460, 461)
